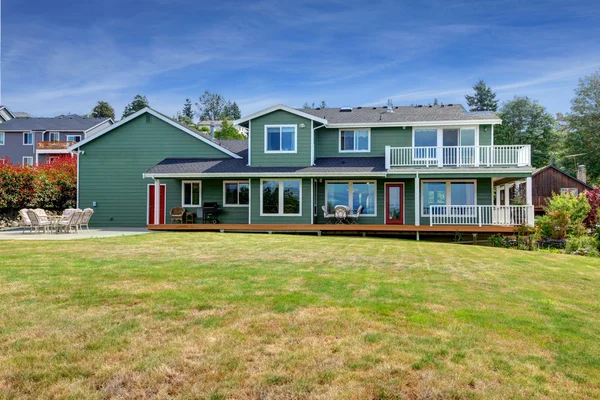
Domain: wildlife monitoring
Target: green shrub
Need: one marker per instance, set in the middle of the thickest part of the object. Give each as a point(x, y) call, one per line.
point(585, 245)
point(565, 214)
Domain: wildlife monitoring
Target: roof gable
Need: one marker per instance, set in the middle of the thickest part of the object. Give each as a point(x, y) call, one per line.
point(164, 118)
point(539, 171)
point(276, 108)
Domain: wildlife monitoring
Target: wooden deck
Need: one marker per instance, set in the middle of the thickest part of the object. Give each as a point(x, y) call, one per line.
point(318, 228)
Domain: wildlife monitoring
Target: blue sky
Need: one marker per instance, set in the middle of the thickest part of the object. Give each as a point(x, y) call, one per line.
point(63, 56)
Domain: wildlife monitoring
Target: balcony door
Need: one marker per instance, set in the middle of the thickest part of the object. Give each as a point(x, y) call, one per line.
point(394, 203)
point(450, 143)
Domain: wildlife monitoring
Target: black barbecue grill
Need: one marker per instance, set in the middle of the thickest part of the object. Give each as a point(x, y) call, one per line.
point(210, 212)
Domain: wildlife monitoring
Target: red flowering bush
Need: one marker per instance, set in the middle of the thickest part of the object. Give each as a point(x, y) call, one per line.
point(51, 185)
point(593, 197)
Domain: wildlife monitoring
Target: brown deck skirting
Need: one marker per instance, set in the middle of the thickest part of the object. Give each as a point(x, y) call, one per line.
point(330, 228)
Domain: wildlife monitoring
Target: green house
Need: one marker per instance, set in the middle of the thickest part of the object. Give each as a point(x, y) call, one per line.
point(395, 165)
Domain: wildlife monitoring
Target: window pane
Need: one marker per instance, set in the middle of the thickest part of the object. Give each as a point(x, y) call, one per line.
point(363, 195)
point(291, 197)
point(273, 142)
point(270, 197)
point(1, 138)
point(231, 193)
point(244, 193)
point(434, 193)
point(425, 137)
point(362, 140)
point(347, 140)
point(287, 139)
point(187, 193)
point(467, 137)
point(462, 193)
point(195, 194)
point(337, 195)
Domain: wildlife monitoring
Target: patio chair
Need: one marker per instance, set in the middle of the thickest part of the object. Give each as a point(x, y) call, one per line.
point(329, 217)
point(67, 224)
point(77, 221)
point(41, 213)
point(176, 214)
point(85, 219)
point(36, 222)
point(341, 214)
point(353, 218)
point(25, 221)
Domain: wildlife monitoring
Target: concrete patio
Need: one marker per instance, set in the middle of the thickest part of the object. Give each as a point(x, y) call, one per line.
point(93, 233)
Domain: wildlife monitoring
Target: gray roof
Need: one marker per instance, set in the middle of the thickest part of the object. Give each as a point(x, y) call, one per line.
point(366, 115)
point(362, 165)
point(51, 124)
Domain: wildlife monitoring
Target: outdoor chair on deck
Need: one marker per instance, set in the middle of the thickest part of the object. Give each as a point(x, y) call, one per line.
point(329, 217)
point(36, 222)
point(341, 214)
point(176, 214)
point(41, 213)
point(25, 221)
point(353, 218)
point(67, 224)
point(85, 218)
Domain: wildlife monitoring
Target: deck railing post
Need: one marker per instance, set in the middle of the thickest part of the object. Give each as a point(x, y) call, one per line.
point(479, 214)
point(388, 150)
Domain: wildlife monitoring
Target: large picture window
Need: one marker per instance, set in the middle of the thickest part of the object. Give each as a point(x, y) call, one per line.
point(281, 197)
point(355, 140)
point(191, 193)
point(447, 193)
point(236, 193)
point(352, 194)
point(280, 138)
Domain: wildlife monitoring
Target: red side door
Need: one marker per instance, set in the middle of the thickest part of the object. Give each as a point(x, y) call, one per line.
point(151, 194)
point(394, 203)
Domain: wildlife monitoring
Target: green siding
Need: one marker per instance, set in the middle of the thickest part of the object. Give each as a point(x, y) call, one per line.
point(305, 218)
point(327, 142)
point(485, 135)
point(259, 158)
point(110, 171)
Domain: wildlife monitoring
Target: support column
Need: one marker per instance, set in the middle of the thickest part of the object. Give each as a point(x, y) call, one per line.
point(529, 200)
point(417, 202)
point(498, 200)
point(157, 201)
point(506, 195)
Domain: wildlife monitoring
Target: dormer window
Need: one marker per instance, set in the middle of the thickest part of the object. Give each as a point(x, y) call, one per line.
point(280, 138)
point(357, 140)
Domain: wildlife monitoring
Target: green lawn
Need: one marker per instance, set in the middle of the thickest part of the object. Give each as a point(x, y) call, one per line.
point(219, 316)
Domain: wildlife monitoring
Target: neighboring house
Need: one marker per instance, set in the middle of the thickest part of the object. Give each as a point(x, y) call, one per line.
point(216, 126)
point(38, 140)
point(551, 180)
point(413, 165)
point(6, 114)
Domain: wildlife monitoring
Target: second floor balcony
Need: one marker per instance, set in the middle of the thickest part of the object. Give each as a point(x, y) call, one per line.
point(458, 156)
point(54, 145)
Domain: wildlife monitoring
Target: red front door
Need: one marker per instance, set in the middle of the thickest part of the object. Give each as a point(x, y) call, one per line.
point(394, 203)
point(151, 193)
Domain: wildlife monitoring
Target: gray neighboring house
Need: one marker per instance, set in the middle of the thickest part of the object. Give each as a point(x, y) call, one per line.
point(39, 140)
point(5, 114)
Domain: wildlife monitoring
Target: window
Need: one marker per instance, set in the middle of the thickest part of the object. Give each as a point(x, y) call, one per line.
point(352, 194)
point(1, 138)
point(355, 140)
point(281, 197)
point(28, 138)
point(27, 161)
point(235, 193)
point(191, 193)
point(453, 193)
point(280, 138)
point(74, 138)
point(425, 138)
point(54, 136)
point(573, 191)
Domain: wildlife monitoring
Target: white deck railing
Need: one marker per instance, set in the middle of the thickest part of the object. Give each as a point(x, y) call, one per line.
point(459, 156)
point(481, 215)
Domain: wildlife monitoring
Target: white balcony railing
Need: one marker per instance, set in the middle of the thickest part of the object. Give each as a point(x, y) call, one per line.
point(458, 156)
point(481, 215)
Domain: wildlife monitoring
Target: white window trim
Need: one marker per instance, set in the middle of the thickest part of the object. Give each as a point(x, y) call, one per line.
point(354, 130)
point(3, 136)
point(236, 205)
point(281, 189)
point(27, 133)
point(54, 133)
point(73, 136)
point(183, 194)
point(350, 199)
point(282, 126)
point(448, 191)
point(440, 133)
point(23, 160)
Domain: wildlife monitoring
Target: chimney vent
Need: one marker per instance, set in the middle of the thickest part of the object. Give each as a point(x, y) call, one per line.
point(582, 173)
point(390, 106)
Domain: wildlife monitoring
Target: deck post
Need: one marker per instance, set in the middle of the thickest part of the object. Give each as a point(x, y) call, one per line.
point(506, 195)
point(474, 238)
point(418, 238)
point(157, 201)
point(417, 202)
point(529, 198)
point(388, 150)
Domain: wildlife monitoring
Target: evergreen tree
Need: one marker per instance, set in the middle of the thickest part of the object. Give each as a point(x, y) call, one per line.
point(484, 99)
point(138, 103)
point(228, 132)
point(231, 111)
point(187, 109)
point(103, 110)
